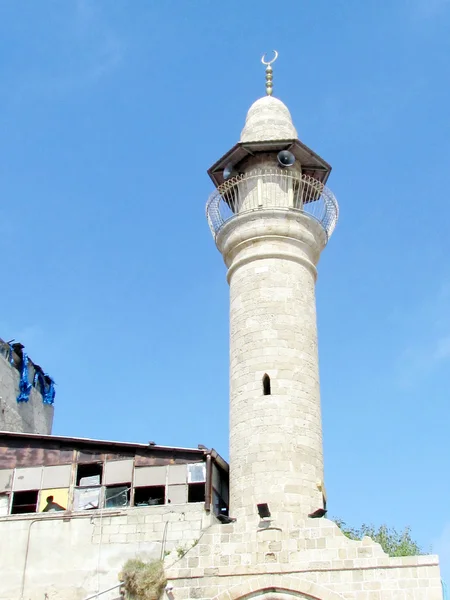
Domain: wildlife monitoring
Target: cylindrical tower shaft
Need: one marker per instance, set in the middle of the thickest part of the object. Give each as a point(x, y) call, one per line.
point(275, 421)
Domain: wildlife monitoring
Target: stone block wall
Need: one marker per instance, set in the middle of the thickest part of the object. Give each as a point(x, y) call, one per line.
point(275, 438)
point(62, 558)
point(315, 560)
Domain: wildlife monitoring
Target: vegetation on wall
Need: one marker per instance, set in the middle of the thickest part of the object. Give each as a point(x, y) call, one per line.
point(393, 542)
point(143, 580)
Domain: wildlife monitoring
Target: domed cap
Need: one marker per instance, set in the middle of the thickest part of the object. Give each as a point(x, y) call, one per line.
point(268, 119)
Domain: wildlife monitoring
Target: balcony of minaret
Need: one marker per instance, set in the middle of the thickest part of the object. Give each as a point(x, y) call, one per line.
point(267, 188)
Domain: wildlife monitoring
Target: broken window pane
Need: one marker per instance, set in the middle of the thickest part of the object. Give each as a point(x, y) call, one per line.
point(196, 473)
point(24, 502)
point(117, 496)
point(89, 474)
point(196, 492)
point(86, 498)
point(89, 481)
point(149, 496)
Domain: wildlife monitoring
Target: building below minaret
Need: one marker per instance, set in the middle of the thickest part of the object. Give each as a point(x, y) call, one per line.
point(72, 510)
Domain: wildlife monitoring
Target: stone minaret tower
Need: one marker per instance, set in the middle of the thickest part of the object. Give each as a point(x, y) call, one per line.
point(271, 216)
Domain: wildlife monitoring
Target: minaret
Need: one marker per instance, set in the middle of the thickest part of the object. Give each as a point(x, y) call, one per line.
point(271, 216)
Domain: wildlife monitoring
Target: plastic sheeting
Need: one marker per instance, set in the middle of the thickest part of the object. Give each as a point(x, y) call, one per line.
point(445, 593)
point(47, 386)
point(24, 385)
point(49, 395)
point(86, 498)
point(47, 383)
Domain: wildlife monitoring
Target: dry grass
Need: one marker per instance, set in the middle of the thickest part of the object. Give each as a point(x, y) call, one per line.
point(143, 581)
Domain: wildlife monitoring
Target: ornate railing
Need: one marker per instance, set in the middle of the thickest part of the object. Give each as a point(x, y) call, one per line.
point(281, 189)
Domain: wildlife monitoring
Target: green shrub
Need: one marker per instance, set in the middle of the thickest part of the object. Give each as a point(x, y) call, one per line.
point(393, 542)
point(143, 580)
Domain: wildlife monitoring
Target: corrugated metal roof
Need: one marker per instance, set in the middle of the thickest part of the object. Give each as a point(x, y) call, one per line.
point(87, 441)
point(80, 441)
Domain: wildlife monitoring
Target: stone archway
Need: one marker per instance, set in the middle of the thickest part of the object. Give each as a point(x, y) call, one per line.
point(278, 587)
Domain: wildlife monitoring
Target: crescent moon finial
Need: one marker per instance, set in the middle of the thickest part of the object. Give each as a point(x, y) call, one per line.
point(269, 62)
point(269, 76)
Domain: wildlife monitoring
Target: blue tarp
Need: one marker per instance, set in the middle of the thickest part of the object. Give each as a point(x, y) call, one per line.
point(46, 382)
point(24, 385)
point(47, 387)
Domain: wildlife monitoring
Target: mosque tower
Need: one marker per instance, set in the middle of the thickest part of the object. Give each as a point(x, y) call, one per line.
point(271, 216)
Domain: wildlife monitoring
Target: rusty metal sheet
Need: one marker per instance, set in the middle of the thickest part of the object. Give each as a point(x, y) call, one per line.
point(119, 455)
point(13, 456)
point(145, 460)
point(86, 457)
point(60, 456)
point(148, 459)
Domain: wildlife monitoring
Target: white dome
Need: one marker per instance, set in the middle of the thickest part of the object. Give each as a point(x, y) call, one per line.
point(268, 119)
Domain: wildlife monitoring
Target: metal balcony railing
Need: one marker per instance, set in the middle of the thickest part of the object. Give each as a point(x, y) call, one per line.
point(274, 189)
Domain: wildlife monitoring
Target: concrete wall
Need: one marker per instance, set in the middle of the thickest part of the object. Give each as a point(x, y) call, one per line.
point(28, 417)
point(69, 558)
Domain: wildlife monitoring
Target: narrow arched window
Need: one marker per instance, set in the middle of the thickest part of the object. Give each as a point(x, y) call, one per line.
point(266, 385)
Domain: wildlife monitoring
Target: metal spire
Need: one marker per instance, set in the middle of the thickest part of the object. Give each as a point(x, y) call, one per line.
point(269, 76)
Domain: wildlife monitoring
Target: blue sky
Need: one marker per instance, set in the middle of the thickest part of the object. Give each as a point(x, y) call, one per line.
point(110, 115)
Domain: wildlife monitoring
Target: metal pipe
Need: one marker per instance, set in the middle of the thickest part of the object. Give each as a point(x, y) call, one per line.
point(26, 557)
point(208, 483)
point(41, 520)
point(220, 461)
point(164, 539)
point(114, 587)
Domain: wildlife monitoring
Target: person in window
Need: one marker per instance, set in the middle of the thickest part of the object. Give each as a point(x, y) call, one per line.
point(52, 506)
